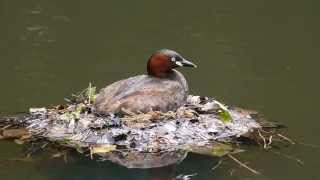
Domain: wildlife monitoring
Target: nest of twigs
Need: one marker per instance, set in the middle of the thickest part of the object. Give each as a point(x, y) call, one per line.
point(144, 140)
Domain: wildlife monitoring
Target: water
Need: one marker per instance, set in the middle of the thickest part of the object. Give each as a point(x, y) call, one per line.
point(257, 54)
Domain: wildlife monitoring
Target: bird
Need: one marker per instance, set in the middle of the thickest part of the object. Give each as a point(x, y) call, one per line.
point(162, 89)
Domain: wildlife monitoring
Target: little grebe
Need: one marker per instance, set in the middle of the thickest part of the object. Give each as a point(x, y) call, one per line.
point(163, 89)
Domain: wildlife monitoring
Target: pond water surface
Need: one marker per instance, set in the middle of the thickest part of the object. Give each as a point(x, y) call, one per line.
point(257, 54)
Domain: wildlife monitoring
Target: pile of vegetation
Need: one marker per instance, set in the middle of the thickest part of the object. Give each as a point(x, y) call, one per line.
point(144, 140)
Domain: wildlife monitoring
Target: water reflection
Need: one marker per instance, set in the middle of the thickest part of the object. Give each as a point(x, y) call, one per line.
point(257, 54)
point(163, 173)
point(135, 159)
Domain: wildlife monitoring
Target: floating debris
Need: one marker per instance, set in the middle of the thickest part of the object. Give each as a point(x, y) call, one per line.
point(185, 177)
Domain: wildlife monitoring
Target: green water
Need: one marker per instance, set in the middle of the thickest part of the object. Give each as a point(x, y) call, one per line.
point(257, 54)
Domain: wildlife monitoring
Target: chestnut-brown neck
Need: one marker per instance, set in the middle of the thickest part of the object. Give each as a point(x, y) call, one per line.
point(159, 66)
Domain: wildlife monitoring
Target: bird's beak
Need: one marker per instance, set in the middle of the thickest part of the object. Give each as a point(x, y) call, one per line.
point(187, 63)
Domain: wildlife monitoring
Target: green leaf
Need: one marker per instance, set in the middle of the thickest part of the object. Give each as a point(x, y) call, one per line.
point(222, 112)
point(224, 115)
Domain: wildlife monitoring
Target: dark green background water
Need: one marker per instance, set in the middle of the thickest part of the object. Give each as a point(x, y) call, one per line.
point(258, 54)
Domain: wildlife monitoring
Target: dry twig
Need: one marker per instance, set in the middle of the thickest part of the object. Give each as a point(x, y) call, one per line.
point(286, 138)
point(263, 139)
point(244, 165)
point(217, 165)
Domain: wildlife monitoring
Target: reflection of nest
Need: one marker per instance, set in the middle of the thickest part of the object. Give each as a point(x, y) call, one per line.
point(135, 159)
point(153, 139)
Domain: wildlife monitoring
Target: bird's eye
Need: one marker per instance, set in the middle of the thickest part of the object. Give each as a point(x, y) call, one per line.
point(173, 59)
point(178, 63)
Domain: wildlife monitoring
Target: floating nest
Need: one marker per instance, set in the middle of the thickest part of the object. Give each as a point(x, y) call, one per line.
point(148, 140)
